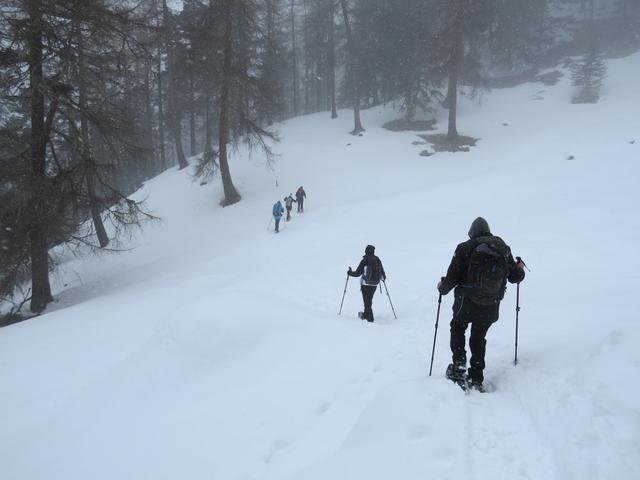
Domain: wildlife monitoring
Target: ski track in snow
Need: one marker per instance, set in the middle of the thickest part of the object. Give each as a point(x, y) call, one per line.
point(213, 350)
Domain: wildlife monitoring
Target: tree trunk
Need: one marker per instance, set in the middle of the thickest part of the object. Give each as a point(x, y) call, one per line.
point(163, 156)
point(270, 59)
point(96, 215)
point(452, 96)
point(87, 162)
point(317, 77)
point(294, 61)
point(148, 121)
point(208, 125)
point(332, 61)
point(231, 196)
point(453, 67)
point(175, 114)
point(176, 127)
point(192, 114)
point(353, 54)
point(40, 287)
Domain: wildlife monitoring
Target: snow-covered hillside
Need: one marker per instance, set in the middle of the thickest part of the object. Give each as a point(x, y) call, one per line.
point(213, 350)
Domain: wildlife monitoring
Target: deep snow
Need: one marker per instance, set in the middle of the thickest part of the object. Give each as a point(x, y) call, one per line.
point(213, 350)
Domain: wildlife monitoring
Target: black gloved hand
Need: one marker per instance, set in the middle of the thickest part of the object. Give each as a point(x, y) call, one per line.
point(521, 264)
point(349, 272)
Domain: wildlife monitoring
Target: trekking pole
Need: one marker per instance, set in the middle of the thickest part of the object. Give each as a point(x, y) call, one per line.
point(270, 220)
point(343, 294)
point(515, 359)
point(389, 296)
point(435, 334)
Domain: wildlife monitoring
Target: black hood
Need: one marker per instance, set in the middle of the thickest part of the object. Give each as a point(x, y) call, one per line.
point(479, 227)
point(370, 250)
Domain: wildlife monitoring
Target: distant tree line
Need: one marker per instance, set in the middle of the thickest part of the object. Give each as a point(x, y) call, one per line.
point(97, 96)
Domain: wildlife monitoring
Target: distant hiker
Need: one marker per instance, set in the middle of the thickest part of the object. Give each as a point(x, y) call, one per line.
point(277, 211)
point(371, 270)
point(479, 272)
point(300, 196)
point(288, 203)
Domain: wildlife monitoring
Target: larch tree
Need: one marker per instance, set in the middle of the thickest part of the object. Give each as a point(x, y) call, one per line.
point(70, 67)
point(231, 195)
point(40, 129)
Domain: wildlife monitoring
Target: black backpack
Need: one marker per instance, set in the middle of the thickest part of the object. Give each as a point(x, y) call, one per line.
point(487, 273)
point(372, 272)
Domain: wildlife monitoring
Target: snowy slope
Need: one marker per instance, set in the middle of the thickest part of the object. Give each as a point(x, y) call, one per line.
point(213, 350)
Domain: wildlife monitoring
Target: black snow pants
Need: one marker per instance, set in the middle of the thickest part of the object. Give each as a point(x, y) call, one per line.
point(480, 317)
point(368, 291)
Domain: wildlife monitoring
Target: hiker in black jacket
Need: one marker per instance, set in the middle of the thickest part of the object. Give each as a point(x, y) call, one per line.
point(288, 203)
point(371, 270)
point(479, 272)
point(301, 195)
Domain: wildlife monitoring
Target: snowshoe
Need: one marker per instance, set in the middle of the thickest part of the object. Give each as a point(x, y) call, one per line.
point(457, 374)
point(477, 386)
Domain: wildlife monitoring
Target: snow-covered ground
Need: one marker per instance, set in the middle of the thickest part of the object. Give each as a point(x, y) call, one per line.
point(213, 350)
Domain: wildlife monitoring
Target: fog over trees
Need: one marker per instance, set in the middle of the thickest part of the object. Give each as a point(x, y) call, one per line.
point(97, 96)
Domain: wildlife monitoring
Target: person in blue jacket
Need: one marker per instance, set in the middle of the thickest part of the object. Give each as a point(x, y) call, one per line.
point(278, 211)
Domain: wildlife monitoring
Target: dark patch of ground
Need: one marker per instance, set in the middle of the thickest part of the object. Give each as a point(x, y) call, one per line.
point(531, 75)
point(510, 81)
point(12, 318)
point(441, 143)
point(550, 78)
point(404, 125)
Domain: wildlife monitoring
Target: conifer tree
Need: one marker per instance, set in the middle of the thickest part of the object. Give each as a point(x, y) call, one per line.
point(587, 74)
